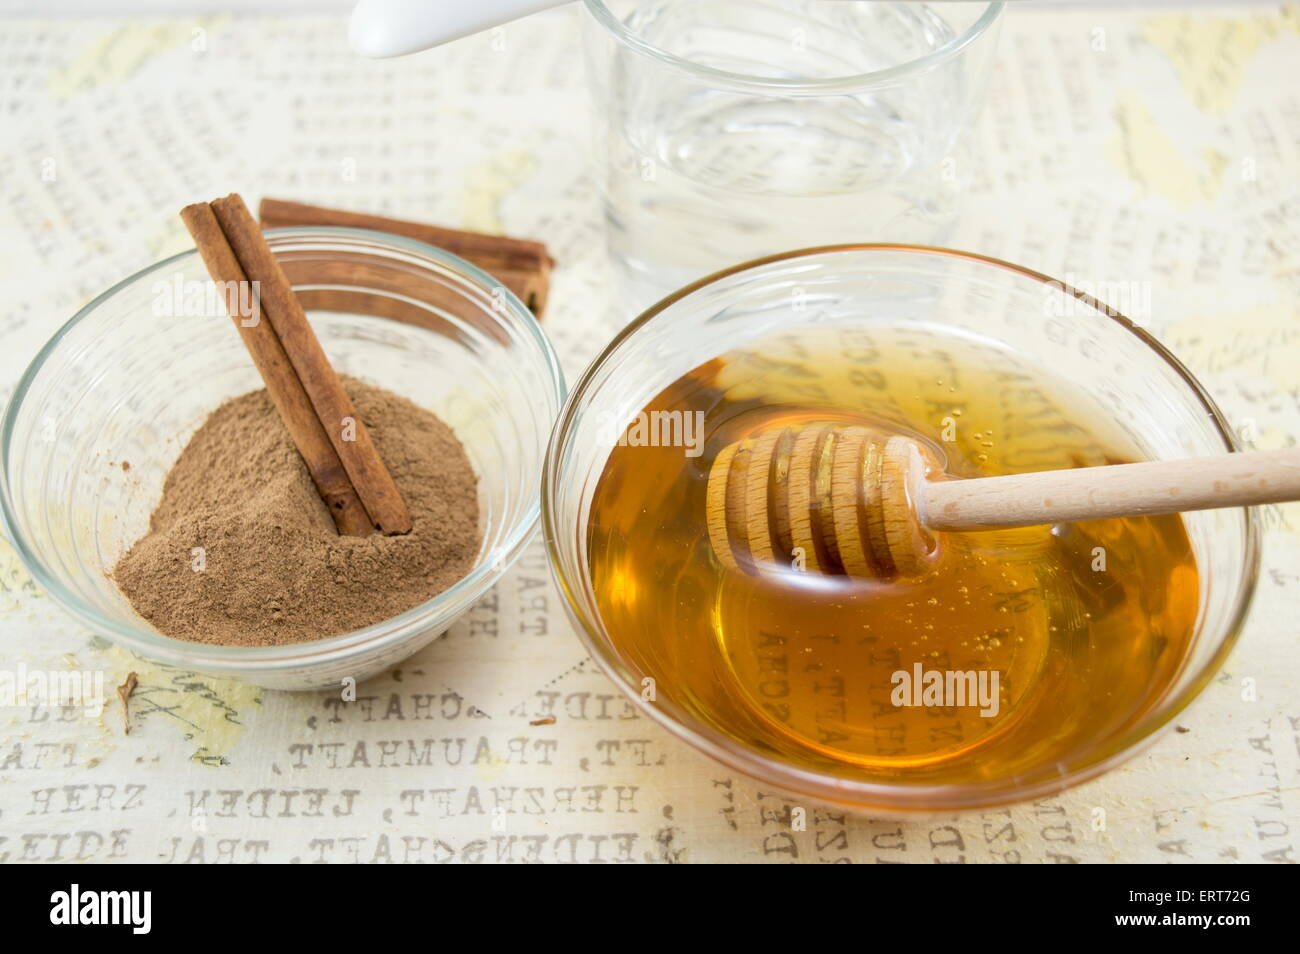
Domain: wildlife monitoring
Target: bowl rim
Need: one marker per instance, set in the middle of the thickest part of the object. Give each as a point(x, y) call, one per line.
point(290, 656)
point(852, 82)
point(880, 796)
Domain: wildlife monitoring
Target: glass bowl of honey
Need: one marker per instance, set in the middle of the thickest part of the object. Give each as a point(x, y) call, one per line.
point(1022, 661)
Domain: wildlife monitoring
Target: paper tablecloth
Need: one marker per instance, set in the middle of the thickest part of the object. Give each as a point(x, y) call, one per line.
point(1119, 143)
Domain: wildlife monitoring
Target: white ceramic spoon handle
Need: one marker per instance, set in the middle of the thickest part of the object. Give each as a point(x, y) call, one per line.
point(382, 28)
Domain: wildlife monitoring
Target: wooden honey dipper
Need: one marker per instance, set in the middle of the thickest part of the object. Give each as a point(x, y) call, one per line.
point(854, 500)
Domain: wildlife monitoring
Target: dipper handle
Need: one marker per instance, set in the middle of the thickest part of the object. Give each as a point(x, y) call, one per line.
point(1117, 490)
point(854, 500)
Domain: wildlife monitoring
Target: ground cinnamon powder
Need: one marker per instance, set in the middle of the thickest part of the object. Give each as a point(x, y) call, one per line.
point(242, 552)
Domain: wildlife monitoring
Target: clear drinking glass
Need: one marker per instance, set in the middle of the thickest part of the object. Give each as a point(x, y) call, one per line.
point(1132, 382)
point(107, 405)
point(731, 129)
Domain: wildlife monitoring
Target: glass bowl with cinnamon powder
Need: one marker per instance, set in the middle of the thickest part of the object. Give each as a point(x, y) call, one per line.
point(151, 490)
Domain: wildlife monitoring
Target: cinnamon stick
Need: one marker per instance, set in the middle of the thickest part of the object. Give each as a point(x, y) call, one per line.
point(370, 288)
point(522, 265)
point(291, 401)
point(238, 238)
point(370, 478)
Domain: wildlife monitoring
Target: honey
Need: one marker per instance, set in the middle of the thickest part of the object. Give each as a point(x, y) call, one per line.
point(1021, 653)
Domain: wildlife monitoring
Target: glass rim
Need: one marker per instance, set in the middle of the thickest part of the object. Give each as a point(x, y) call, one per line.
point(238, 659)
point(882, 796)
point(889, 76)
